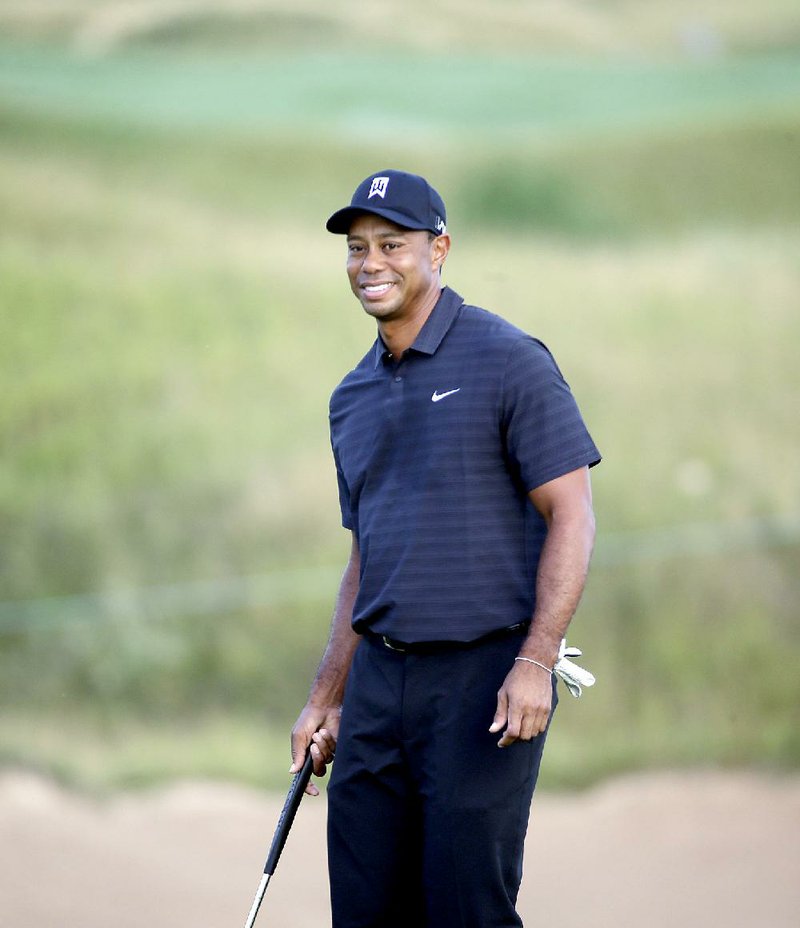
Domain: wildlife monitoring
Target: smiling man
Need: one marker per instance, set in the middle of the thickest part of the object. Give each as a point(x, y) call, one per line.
point(463, 469)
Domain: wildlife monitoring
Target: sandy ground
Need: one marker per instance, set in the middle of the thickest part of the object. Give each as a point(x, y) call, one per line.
point(655, 851)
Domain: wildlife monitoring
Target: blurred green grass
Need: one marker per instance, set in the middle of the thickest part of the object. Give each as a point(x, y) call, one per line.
point(612, 27)
point(173, 318)
point(326, 95)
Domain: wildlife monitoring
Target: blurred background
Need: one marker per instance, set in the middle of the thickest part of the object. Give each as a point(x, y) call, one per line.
point(622, 180)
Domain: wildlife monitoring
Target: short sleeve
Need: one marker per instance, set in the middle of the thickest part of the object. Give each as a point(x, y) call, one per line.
point(344, 494)
point(544, 432)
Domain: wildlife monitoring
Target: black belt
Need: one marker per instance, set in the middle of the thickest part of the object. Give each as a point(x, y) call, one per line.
point(437, 647)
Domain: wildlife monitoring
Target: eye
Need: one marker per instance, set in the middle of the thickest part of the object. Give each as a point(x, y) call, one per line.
point(391, 246)
point(354, 249)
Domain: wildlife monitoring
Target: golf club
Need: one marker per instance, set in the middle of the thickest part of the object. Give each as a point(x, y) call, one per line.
point(288, 812)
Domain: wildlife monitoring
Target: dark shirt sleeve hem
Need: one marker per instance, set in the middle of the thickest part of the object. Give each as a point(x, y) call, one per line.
point(586, 459)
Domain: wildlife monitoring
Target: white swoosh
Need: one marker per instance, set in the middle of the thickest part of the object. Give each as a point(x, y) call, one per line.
point(440, 396)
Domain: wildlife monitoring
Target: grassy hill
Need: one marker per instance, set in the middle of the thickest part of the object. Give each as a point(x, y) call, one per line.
point(173, 318)
point(618, 27)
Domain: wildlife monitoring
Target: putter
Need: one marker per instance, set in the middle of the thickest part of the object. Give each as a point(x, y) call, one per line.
point(288, 812)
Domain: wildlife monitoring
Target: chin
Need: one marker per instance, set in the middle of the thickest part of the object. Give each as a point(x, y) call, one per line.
point(378, 311)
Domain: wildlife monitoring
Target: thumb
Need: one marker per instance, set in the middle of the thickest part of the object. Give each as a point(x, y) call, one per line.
point(299, 750)
point(501, 715)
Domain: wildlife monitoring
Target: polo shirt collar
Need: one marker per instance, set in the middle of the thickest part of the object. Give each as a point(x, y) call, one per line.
point(437, 325)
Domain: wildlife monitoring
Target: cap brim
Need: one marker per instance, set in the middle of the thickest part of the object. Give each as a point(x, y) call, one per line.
point(341, 220)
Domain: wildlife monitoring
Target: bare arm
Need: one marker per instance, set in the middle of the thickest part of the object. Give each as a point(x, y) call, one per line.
point(318, 723)
point(524, 700)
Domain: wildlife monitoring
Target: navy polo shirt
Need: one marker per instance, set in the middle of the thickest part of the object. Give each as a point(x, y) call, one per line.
point(435, 454)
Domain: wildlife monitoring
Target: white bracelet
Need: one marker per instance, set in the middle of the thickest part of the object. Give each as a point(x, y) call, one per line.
point(530, 660)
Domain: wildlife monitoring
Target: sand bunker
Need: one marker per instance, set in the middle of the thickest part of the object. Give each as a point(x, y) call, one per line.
point(656, 851)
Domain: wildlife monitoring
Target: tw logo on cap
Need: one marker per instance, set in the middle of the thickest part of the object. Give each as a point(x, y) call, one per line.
point(378, 188)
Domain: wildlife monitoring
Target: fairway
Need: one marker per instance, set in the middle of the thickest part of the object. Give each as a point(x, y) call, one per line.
point(325, 94)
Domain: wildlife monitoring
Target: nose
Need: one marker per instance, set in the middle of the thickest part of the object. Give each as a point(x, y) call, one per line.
point(373, 260)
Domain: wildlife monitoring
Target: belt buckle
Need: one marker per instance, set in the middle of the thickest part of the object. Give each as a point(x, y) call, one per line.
point(388, 643)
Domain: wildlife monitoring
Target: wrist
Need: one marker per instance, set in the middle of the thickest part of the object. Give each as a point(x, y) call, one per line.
point(324, 703)
point(540, 647)
point(535, 663)
point(327, 690)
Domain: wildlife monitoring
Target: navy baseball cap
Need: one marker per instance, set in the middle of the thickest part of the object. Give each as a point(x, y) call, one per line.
point(406, 199)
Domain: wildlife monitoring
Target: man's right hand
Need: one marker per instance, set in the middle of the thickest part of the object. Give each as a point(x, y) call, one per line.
point(317, 726)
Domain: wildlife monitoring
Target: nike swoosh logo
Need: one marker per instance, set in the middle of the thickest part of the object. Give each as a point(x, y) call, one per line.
point(440, 396)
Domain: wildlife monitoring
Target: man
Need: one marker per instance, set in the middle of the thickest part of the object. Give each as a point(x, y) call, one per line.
point(462, 463)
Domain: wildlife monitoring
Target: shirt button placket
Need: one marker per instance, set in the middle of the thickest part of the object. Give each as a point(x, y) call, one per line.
point(396, 389)
point(398, 372)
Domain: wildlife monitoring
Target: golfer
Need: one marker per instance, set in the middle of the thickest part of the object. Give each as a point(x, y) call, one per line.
point(463, 470)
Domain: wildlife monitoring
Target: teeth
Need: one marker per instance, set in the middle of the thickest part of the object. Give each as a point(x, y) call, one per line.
point(376, 288)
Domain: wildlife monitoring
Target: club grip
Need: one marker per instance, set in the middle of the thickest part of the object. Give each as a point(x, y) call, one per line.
point(288, 813)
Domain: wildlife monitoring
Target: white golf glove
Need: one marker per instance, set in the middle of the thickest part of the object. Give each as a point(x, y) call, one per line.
point(574, 677)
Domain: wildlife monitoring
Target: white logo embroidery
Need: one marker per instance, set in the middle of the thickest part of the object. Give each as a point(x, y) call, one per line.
point(440, 396)
point(441, 228)
point(378, 188)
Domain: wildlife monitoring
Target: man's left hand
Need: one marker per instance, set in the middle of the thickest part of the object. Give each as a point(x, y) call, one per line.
point(523, 704)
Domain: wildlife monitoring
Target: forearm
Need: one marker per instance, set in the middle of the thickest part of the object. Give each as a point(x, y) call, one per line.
point(524, 701)
point(329, 682)
point(560, 579)
point(318, 723)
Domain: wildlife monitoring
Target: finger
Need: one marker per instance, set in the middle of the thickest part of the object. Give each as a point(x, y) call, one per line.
point(318, 758)
point(528, 727)
point(501, 715)
point(506, 740)
point(542, 720)
point(326, 742)
point(541, 717)
point(512, 730)
point(299, 751)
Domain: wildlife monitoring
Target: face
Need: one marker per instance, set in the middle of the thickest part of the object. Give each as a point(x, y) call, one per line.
point(394, 272)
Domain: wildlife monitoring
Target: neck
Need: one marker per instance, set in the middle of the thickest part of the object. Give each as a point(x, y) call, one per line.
point(399, 334)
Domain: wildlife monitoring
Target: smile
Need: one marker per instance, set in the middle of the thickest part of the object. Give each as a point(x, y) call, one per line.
point(376, 289)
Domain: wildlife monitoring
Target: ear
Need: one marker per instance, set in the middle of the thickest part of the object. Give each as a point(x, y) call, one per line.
point(440, 248)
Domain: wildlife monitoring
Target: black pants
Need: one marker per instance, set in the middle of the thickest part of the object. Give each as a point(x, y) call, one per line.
point(426, 815)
